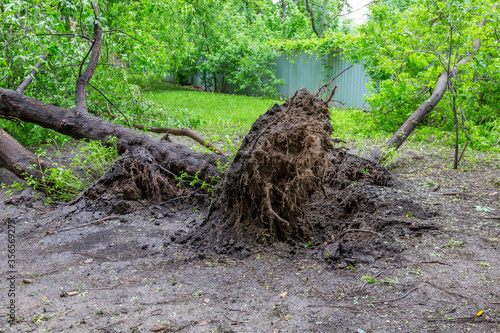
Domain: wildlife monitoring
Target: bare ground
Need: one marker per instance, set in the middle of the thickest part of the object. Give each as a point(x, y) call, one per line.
point(434, 279)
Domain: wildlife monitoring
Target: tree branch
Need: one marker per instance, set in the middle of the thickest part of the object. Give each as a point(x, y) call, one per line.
point(182, 132)
point(103, 95)
point(72, 35)
point(32, 74)
point(130, 36)
point(313, 20)
point(427, 106)
point(84, 78)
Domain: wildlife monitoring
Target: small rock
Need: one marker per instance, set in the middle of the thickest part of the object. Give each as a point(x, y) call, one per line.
point(26, 281)
point(88, 261)
point(245, 253)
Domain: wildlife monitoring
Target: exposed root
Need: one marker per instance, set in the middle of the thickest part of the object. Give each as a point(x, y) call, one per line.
point(135, 176)
point(281, 162)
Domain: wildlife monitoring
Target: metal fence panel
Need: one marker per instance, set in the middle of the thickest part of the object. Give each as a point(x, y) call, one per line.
point(302, 70)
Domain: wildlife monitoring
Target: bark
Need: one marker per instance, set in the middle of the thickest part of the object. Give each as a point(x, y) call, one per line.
point(82, 125)
point(79, 124)
point(84, 78)
point(426, 107)
point(18, 160)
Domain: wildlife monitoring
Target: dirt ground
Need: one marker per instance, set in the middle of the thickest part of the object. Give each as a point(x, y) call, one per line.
point(85, 268)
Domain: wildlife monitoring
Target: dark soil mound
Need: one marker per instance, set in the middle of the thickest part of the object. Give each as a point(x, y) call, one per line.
point(135, 176)
point(282, 161)
point(288, 184)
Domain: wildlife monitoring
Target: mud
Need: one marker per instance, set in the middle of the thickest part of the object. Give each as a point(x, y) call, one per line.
point(379, 252)
point(288, 184)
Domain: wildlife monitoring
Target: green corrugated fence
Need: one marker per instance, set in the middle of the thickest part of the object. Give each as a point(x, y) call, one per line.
point(301, 70)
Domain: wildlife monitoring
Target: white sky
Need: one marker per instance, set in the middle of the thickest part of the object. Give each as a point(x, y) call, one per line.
point(359, 12)
point(359, 15)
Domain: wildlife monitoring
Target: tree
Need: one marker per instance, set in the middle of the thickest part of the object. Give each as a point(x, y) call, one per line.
point(74, 121)
point(328, 10)
point(432, 49)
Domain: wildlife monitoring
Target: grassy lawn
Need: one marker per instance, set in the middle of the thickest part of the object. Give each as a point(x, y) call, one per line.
point(226, 118)
point(206, 111)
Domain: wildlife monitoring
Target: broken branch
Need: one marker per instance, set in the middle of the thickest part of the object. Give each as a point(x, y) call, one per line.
point(182, 132)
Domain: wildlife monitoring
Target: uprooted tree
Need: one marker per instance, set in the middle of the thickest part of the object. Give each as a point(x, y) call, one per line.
point(78, 123)
point(286, 158)
point(287, 182)
point(427, 52)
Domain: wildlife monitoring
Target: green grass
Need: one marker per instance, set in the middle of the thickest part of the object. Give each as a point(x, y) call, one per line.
point(221, 115)
point(210, 112)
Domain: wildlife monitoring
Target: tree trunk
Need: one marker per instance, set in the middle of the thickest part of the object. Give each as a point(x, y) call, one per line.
point(18, 160)
point(313, 20)
point(82, 125)
point(426, 107)
point(283, 10)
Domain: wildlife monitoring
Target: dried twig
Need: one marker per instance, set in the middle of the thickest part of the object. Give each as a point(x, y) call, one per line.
point(364, 284)
point(91, 255)
point(49, 272)
point(464, 319)
point(397, 299)
point(342, 234)
point(331, 306)
point(328, 83)
point(444, 290)
point(105, 288)
point(87, 224)
point(435, 262)
point(237, 310)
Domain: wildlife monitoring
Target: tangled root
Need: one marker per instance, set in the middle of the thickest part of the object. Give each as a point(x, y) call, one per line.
point(281, 162)
point(135, 176)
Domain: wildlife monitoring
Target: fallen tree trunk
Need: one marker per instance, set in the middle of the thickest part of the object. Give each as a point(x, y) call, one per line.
point(18, 160)
point(78, 123)
point(82, 125)
point(426, 107)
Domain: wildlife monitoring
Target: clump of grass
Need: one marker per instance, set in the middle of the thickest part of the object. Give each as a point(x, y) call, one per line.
point(452, 243)
point(64, 183)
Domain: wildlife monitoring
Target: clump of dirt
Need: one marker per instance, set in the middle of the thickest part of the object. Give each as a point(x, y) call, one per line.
point(289, 184)
point(133, 177)
point(282, 161)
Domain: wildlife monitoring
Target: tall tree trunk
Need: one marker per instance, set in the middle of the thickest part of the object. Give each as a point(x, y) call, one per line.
point(283, 10)
point(313, 20)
